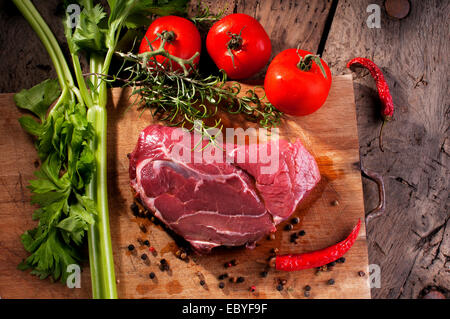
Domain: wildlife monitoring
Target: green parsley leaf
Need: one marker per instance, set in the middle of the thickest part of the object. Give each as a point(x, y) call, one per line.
point(39, 98)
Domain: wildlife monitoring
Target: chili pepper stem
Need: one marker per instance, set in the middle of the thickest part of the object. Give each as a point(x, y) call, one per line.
point(380, 137)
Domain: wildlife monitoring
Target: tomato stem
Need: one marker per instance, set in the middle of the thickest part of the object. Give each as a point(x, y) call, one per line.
point(167, 36)
point(305, 63)
point(235, 44)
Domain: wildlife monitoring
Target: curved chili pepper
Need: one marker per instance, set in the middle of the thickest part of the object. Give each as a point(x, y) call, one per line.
point(383, 89)
point(318, 258)
point(387, 111)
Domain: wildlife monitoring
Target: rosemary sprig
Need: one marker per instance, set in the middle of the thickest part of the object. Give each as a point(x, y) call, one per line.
point(205, 16)
point(184, 97)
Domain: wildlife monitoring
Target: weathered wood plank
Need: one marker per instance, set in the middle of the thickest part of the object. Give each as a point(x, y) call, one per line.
point(411, 243)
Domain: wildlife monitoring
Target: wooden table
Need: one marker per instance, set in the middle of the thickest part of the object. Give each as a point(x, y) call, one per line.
point(411, 243)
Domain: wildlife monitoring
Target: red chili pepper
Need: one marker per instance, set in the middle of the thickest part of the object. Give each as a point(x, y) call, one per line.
point(387, 111)
point(318, 258)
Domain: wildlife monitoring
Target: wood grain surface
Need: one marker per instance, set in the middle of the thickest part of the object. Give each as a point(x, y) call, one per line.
point(412, 242)
point(330, 134)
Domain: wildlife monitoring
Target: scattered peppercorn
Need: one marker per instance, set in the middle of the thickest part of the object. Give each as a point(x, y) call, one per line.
point(230, 263)
point(295, 220)
point(135, 209)
point(302, 233)
point(140, 241)
point(144, 256)
point(164, 265)
point(307, 293)
point(131, 247)
point(331, 282)
point(202, 282)
point(240, 279)
point(280, 287)
point(152, 275)
point(361, 273)
point(264, 274)
point(146, 243)
point(341, 260)
point(223, 276)
point(288, 227)
point(294, 238)
point(221, 285)
point(333, 263)
point(307, 287)
point(334, 203)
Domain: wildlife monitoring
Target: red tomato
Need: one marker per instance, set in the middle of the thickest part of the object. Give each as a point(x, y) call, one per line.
point(295, 91)
point(239, 45)
point(185, 43)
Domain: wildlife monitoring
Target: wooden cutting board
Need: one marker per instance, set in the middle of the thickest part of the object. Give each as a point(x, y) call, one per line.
point(331, 136)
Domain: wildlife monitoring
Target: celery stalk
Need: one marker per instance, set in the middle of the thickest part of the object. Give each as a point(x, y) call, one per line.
point(100, 250)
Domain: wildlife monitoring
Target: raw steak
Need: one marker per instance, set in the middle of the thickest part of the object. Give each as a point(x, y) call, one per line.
point(221, 201)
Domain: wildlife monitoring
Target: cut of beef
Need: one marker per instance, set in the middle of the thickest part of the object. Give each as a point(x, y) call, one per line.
point(218, 199)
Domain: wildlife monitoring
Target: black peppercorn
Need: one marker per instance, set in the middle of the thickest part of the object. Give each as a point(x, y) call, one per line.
point(264, 274)
point(240, 279)
point(361, 273)
point(288, 227)
point(280, 287)
point(163, 261)
point(202, 282)
point(146, 243)
point(302, 233)
point(130, 247)
point(307, 293)
point(152, 275)
point(295, 220)
point(221, 285)
point(333, 263)
point(331, 282)
point(307, 287)
point(144, 256)
point(135, 209)
point(341, 260)
point(223, 276)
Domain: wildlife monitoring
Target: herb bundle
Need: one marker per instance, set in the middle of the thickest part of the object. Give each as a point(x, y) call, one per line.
point(185, 97)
